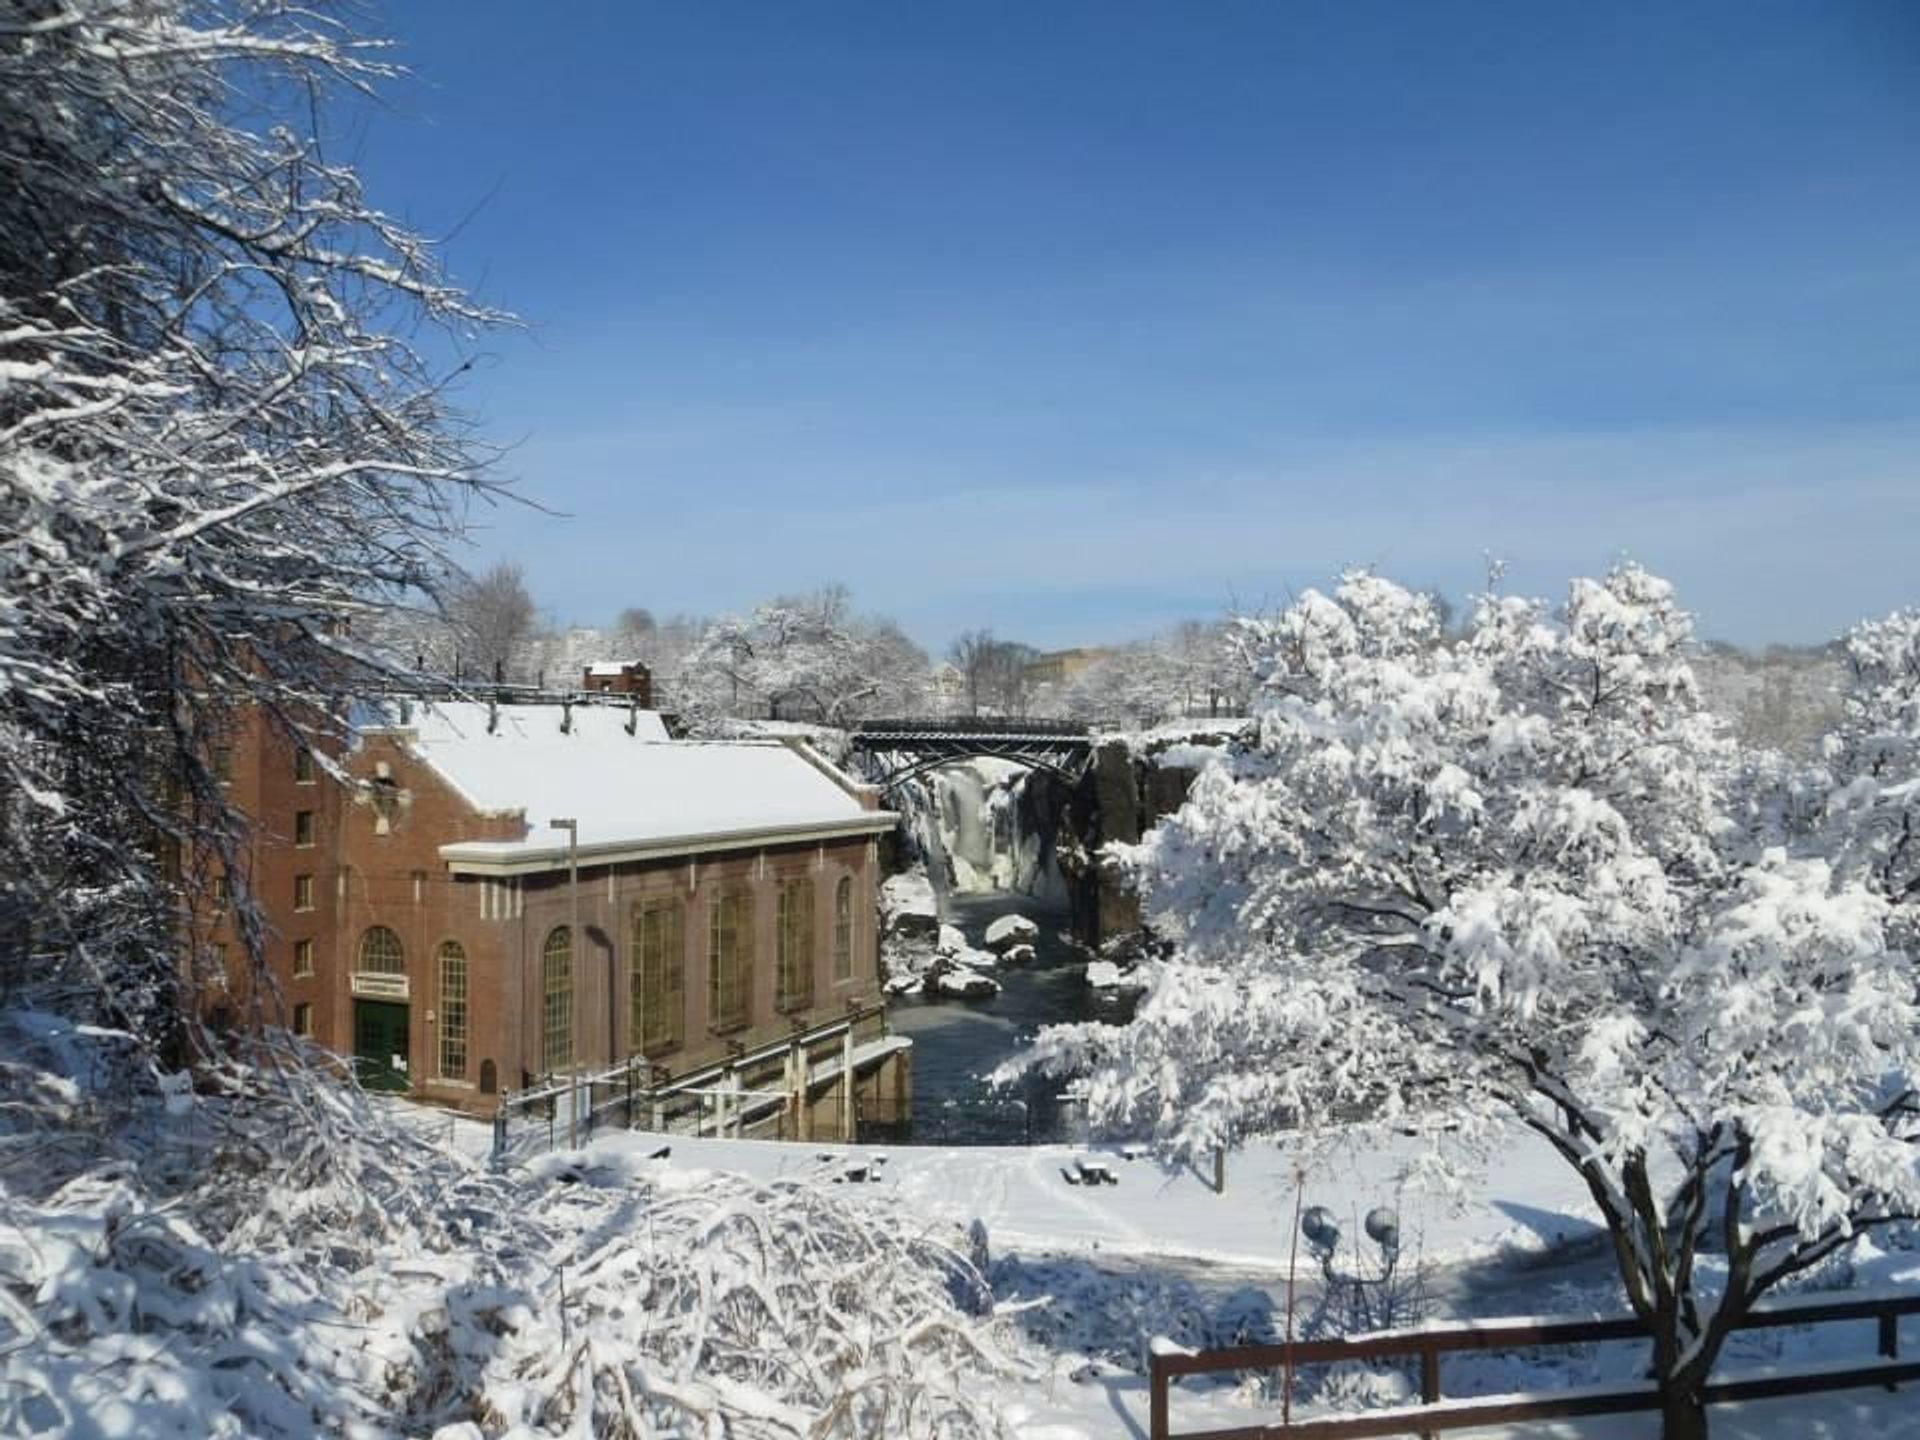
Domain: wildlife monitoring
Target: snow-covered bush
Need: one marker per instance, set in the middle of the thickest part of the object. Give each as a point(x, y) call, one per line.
point(277, 1259)
point(1520, 872)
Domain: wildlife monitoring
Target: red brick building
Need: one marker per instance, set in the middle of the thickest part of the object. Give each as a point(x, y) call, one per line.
point(706, 903)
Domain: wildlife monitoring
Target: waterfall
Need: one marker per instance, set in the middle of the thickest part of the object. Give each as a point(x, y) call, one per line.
point(986, 825)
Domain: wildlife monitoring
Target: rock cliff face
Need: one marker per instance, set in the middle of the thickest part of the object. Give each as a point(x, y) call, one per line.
point(1125, 793)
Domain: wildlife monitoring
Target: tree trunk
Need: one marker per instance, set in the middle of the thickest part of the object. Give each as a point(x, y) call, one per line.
point(1683, 1413)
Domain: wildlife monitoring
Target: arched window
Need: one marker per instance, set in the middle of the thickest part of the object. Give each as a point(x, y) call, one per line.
point(453, 1011)
point(556, 990)
point(843, 929)
point(658, 1001)
point(489, 1077)
point(793, 945)
point(380, 953)
point(730, 959)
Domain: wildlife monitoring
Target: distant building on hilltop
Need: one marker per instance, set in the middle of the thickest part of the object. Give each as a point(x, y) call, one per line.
point(1057, 667)
point(712, 907)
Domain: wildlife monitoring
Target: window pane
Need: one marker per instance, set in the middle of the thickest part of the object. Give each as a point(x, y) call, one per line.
point(843, 929)
point(380, 953)
point(453, 1011)
point(556, 978)
point(730, 950)
point(793, 938)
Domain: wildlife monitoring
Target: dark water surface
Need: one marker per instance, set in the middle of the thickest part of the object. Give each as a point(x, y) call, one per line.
point(957, 1042)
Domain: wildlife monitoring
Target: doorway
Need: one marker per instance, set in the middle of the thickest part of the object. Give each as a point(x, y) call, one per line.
point(380, 1045)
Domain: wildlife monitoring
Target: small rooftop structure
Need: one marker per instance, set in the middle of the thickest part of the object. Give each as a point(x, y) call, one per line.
point(636, 793)
point(619, 677)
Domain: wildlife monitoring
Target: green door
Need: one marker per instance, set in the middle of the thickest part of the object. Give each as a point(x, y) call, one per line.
point(380, 1044)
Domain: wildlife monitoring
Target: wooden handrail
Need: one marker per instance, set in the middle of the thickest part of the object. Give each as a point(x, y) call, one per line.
point(1432, 1341)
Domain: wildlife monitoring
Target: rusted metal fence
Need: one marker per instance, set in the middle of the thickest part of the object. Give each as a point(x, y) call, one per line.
point(1429, 1343)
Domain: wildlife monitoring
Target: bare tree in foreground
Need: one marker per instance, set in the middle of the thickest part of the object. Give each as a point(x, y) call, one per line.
point(218, 444)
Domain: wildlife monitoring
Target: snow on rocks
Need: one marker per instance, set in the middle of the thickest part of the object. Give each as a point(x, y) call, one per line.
point(907, 905)
point(1105, 975)
point(1010, 930)
point(965, 983)
point(1018, 955)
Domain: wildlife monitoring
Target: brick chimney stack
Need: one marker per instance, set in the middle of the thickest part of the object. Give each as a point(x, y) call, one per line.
point(620, 677)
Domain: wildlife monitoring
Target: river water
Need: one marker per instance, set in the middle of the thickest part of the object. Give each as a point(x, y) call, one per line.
point(957, 1042)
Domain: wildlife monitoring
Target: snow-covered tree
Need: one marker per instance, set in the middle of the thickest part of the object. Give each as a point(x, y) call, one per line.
point(805, 658)
point(218, 444)
point(1874, 752)
point(1516, 874)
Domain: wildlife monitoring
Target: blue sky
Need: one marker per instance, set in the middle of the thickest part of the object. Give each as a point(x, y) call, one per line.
point(1076, 320)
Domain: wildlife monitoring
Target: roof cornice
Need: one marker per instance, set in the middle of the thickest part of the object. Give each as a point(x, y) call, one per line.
point(515, 857)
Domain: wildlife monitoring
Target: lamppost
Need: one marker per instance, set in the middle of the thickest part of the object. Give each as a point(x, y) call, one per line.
point(574, 947)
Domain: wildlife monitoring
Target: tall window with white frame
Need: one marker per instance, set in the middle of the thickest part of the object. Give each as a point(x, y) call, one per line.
point(730, 958)
point(658, 999)
point(453, 1011)
point(556, 990)
point(843, 929)
point(793, 945)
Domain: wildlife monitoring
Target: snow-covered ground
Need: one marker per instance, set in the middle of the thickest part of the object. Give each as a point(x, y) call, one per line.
point(1530, 1203)
point(274, 1255)
point(1159, 1251)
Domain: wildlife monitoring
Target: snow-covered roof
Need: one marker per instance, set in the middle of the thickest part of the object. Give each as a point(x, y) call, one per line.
point(614, 667)
point(632, 795)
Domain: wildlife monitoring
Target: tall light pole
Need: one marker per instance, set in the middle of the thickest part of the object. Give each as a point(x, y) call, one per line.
point(574, 947)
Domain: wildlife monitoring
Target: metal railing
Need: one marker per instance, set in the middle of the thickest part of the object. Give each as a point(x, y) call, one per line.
point(958, 726)
point(716, 1098)
point(1429, 1343)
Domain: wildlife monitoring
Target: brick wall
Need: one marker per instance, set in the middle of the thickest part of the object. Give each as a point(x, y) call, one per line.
point(374, 861)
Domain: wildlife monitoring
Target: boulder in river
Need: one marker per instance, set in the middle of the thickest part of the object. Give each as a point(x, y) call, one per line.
point(908, 903)
point(1105, 975)
point(967, 984)
point(1011, 930)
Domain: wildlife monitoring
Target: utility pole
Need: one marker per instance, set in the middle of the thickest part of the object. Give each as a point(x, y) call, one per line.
point(574, 947)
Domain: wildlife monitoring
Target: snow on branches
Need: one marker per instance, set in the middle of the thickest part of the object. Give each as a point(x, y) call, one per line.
point(278, 1260)
point(1516, 873)
point(1874, 810)
point(218, 444)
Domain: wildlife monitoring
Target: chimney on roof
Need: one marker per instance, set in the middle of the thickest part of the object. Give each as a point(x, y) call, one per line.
point(620, 677)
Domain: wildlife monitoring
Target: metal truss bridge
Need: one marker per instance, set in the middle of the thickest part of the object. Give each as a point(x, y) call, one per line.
point(897, 750)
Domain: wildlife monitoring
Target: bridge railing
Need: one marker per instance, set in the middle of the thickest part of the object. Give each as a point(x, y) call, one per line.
point(961, 725)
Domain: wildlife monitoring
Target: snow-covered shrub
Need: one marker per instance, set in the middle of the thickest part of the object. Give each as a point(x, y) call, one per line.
point(281, 1260)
